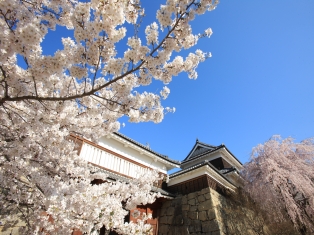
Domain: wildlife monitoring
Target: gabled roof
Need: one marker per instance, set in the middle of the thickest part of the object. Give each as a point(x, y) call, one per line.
point(199, 149)
point(146, 148)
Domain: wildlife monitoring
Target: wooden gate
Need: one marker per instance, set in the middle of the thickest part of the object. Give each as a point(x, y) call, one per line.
point(152, 209)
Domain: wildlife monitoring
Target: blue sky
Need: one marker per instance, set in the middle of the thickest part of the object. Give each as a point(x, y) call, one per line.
point(258, 83)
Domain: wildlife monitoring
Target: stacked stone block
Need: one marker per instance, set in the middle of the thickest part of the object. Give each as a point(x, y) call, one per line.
point(192, 214)
point(207, 212)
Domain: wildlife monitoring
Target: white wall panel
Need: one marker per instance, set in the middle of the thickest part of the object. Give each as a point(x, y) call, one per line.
point(110, 161)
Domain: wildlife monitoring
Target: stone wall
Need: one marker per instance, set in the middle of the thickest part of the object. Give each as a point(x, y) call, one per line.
point(207, 213)
point(193, 214)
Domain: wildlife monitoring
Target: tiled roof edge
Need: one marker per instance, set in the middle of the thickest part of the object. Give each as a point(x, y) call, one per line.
point(146, 148)
point(202, 154)
point(115, 177)
point(208, 145)
point(163, 192)
point(233, 155)
point(198, 142)
point(198, 166)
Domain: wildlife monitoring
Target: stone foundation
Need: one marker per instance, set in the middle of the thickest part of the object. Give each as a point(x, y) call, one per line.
point(193, 214)
point(205, 213)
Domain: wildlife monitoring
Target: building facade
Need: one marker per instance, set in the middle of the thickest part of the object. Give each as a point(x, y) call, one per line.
point(205, 167)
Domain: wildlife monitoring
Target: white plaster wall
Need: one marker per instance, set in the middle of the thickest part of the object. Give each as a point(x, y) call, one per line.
point(132, 154)
point(110, 161)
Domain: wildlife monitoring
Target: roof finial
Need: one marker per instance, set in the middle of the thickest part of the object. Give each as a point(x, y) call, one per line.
point(196, 139)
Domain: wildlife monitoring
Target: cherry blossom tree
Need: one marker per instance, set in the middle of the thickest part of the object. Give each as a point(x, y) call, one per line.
point(84, 88)
point(280, 177)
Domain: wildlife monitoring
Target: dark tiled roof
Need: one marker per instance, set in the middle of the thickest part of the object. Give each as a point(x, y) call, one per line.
point(198, 165)
point(163, 192)
point(111, 176)
point(201, 143)
point(114, 177)
point(214, 148)
point(208, 145)
point(147, 148)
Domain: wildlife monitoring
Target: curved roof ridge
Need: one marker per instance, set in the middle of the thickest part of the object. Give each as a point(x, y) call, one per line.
point(203, 143)
point(212, 148)
point(204, 153)
point(146, 148)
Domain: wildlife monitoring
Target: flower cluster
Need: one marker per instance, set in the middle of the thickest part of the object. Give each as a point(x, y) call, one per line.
point(84, 88)
point(279, 178)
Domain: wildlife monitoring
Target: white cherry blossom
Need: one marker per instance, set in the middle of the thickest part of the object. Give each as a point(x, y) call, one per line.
point(84, 88)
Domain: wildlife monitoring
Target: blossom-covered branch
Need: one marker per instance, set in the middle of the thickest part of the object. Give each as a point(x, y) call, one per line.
point(280, 177)
point(84, 88)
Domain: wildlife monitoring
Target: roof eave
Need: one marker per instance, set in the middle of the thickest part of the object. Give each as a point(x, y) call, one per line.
point(233, 155)
point(233, 159)
point(144, 150)
point(205, 163)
